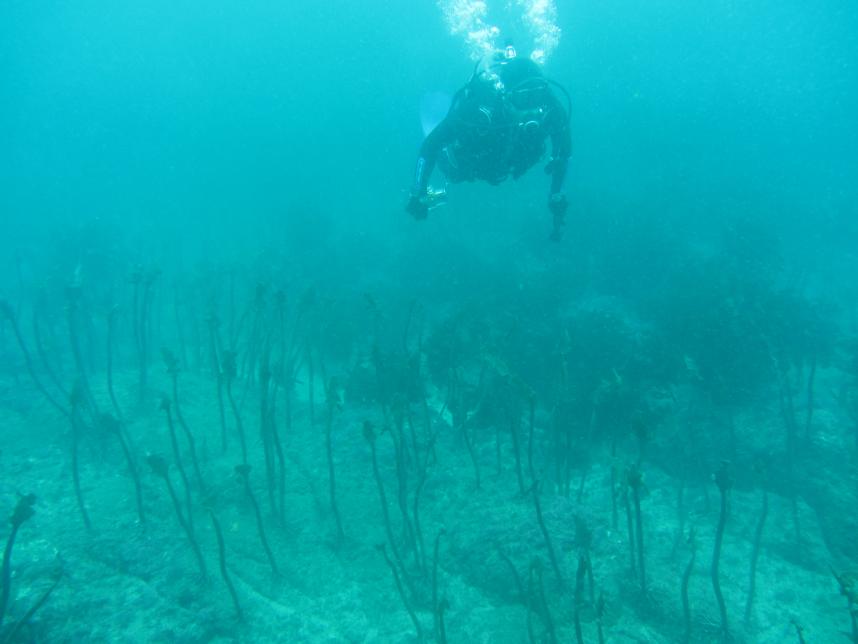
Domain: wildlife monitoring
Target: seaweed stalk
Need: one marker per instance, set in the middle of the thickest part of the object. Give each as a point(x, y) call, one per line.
point(161, 468)
point(174, 443)
point(401, 590)
point(755, 555)
point(418, 490)
point(600, 617)
point(243, 472)
point(808, 420)
point(537, 593)
point(460, 419)
point(724, 483)
point(440, 630)
point(580, 575)
point(8, 312)
point(23, 511)
point(111, 331)
point(370, 436)
point(10, 636)
point(541, 521)
point(221, 551)
point(333, 404)
point(73, 294)
point(172, 364)
point(522, 594)
point(229, 370)
point(265, 427)
point(846, 583)
point(530, 427)
point(635, 481)
point(213, 323)
point(630, 529)
point(76, 399)
point(43, 353)
point(514, 420)
point(686, 578)
point(400, 451)
point(113, 426)
point(143, 327)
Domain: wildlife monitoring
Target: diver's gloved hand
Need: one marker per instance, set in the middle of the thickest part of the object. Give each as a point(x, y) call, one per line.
point(417, 207)
point(558, 205)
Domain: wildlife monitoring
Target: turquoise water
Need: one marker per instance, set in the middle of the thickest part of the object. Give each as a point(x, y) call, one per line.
point(216, 192)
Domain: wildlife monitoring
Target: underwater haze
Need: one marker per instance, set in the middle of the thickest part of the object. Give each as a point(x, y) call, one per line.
point(246, 397)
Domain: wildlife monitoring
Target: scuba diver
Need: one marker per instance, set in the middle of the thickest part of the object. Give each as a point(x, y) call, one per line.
point(496, 127)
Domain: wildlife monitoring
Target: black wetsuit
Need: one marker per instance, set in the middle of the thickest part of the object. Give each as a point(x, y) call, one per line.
point(497, 127)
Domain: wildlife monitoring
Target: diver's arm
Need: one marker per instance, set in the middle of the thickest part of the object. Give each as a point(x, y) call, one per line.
point(561, 148)
point(429, 151)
